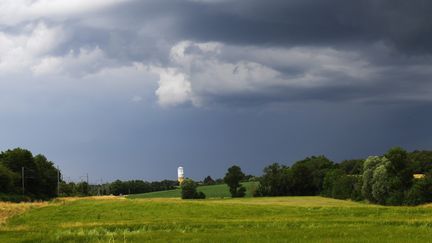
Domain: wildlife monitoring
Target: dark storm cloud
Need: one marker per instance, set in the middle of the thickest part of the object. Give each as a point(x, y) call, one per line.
point(394, 38)
point(370, 50)
point(405, 24)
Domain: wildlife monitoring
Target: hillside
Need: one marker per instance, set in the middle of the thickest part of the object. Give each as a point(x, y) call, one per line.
point(214, 191)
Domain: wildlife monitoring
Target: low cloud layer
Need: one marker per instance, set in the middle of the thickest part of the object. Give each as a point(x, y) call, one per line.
point(212, 73)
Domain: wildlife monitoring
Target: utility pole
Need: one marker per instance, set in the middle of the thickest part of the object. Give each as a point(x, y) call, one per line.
point(22, 179)
point(87, 179)
point(102, 187)
point(58, 181)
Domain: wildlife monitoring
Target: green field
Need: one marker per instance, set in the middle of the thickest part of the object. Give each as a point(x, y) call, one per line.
point(215, 191)
point(282, 219)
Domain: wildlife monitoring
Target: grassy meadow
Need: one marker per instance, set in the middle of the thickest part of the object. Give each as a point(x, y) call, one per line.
point(282, 219)
point(214, 191)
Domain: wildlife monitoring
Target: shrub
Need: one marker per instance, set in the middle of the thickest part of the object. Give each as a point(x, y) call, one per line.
point(241, 192)
point(189, 190)
point(200, 195)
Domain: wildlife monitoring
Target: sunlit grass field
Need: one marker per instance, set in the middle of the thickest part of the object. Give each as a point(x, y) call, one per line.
point(8, 209)
point(282, 219)
point(213, 191)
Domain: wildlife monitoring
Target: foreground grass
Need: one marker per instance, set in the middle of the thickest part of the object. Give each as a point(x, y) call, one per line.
point(8, 209)
point(214, 191)
point(289, 219)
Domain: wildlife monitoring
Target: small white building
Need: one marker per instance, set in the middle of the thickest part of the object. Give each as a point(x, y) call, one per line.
point(180, 174)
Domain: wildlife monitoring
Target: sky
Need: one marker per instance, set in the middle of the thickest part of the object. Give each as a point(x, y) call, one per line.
point(132, 89)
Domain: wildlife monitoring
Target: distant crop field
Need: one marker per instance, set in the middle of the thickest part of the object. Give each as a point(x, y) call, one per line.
point(280, 219)
point(214, 191)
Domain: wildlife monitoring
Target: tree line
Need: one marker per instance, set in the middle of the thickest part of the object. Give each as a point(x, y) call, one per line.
point(24, 177)
point(117, 187)
point(386, 180)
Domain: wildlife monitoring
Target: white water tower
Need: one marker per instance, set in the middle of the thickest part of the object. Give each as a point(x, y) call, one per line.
point(180, 174)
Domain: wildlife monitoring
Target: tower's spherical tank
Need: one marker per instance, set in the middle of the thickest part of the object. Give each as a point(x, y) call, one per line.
point(180, 174)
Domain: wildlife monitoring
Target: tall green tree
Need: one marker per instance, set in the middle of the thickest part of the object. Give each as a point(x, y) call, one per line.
point(302, 180)
point(17, 159)
point(352, 166)
point(381, 181)
point(274, 181)
point(369, 166)
point(6, 180)
point(314, 169)
point(400, 167)
point(47, 176)
point(83, 188)
point(233, 178)
point(398, 157)
point(40, 176)
point(420, 161)
point(330, 180)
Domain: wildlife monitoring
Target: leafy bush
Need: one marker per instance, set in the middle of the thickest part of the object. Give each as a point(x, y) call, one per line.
point(241, 192)
point(189, 190)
